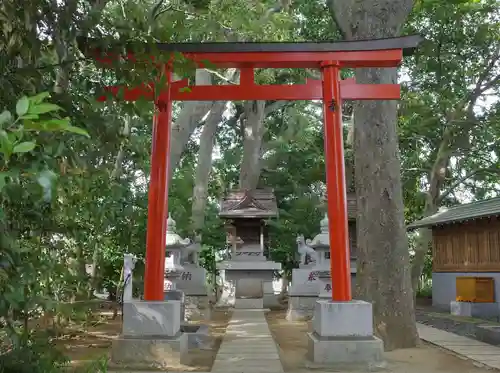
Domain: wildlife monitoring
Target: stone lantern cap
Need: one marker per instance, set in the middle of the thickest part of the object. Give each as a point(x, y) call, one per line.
point(173, 240)
point(322, 240)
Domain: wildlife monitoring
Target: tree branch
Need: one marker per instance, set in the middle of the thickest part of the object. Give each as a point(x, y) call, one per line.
point(464, 178)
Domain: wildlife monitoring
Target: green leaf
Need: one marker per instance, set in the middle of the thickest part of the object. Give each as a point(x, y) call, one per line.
point(30, 125)
point(24, 147)
point(5, 144)
point(29, 117)
point(22, 106)
point(3, 176)
point(43, 108)
point(5, 117)
point(39, 97)
point(56, 124)
point(77, 130)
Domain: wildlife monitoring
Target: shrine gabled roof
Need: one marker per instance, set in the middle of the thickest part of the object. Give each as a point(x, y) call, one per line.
point(460, 213)
point(407, 43)
point(258, 203)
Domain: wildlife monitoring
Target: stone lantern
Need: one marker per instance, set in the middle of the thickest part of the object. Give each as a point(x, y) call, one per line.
point(174, 245)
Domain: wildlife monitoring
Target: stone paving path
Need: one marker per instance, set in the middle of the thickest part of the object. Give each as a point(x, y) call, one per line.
point(479, 352)
point(248, 346)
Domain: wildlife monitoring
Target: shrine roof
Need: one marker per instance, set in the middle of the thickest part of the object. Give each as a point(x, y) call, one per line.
point(460, 213)
point(258, 204)
point(407, 43)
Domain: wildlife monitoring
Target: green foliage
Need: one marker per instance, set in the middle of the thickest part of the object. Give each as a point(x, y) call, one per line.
point(34, 356)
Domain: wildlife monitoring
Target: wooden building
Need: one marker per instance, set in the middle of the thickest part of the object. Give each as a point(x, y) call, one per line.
point(465, 242)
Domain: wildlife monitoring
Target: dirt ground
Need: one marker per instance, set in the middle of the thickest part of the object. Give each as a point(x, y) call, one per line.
point(291, 338)
point(91, 346)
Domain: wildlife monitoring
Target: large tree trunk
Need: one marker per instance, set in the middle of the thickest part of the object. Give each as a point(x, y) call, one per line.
point(204, 166)
point(190, 116)
point(383, 276)
point(253, 133)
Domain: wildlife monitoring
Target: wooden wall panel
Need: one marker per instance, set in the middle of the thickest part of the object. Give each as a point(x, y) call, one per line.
point(472, 246)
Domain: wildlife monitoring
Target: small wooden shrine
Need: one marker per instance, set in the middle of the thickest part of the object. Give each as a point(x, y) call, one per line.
point(247, 274)
point(465, 250)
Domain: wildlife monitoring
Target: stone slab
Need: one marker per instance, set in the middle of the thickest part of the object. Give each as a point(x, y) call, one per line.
point(488, 334)
point(245, 266)
point(198, 336)
point(461, 346)
point(147, 353)
point(343, 319)
point(344, 351)
point(151, 319)
point(249, 303)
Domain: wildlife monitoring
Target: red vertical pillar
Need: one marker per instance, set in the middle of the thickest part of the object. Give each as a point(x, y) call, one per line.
point(158, 198)
point(340, 264)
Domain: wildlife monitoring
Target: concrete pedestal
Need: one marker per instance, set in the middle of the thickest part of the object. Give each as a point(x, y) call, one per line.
point(470, 309)
point(151, 336)
point(343, 334)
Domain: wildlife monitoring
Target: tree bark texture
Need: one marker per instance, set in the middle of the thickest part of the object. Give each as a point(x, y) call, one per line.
point(253, 133)
point(204, 166)
point(383, 276)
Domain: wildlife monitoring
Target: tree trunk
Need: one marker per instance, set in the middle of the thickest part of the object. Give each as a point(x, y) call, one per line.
point(253, 132)
point(204, 166)
point(192, 113)
point(383, 276)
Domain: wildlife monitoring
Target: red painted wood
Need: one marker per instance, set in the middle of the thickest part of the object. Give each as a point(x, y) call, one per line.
point(158, 201)
point(376, 58)
point(349, 90)
point(335, 186)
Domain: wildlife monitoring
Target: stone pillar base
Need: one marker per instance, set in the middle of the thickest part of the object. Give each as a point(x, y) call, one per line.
point(151, 335)
point(343, 334)
point(300, 308)
point(149, 353)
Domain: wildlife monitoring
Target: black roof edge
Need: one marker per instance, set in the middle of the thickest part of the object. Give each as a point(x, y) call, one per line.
point(407, 43)
point(418, 225)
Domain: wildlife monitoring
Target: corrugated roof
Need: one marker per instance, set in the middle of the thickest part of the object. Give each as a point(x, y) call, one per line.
point(468, 211)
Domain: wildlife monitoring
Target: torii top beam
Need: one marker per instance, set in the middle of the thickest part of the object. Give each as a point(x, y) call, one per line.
point(248, 56)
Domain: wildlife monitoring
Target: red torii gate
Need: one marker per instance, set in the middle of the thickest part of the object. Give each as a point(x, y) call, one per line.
point(328, 57)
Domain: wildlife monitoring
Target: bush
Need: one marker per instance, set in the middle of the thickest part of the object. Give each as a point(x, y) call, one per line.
point(36, 355)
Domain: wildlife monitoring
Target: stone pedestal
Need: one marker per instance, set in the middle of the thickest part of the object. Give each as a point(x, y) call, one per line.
point(247, 284)
point(343, 334)
point(151, 336)
point(471, 309)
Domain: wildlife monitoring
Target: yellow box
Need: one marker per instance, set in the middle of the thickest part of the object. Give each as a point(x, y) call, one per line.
point(475, 289)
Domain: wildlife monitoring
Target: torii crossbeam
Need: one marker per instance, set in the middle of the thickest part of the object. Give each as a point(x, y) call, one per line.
point(327, 57)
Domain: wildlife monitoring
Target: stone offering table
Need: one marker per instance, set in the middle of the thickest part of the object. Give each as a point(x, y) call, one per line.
point(247, 275)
